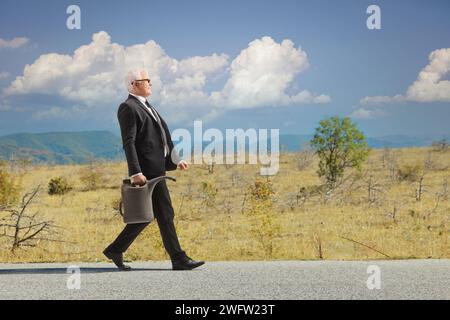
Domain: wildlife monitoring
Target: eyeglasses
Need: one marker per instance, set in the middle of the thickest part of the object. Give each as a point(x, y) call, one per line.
point(148, 80)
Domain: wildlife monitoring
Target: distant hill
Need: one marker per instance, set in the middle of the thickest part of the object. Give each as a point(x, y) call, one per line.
point(293, 142)
point(61, 147)
point(80, 147)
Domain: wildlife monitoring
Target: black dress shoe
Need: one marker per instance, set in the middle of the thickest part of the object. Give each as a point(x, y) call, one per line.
point(117, 258)
point(186, 264)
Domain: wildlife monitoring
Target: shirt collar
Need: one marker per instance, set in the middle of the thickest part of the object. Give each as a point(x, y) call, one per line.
point(140, 98)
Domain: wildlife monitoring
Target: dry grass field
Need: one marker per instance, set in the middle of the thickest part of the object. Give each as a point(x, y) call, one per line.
point(236, 214)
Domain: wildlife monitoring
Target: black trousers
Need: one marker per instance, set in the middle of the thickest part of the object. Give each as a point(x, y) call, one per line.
point(164, 214)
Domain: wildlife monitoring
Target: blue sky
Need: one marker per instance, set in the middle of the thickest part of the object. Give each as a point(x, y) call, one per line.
point(331, 56)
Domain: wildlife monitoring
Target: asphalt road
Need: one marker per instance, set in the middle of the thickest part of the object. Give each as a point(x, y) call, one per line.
point(407, 279)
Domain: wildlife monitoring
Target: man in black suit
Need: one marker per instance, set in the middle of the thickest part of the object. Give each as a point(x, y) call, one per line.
point(149, 152)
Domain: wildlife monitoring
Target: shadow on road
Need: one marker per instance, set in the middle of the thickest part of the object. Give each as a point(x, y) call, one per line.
point(64, 270)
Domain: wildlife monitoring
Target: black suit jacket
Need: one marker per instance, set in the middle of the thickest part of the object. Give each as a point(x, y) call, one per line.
point(142, 142)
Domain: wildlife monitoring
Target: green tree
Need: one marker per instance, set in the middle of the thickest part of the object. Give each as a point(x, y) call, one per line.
point(339, 145)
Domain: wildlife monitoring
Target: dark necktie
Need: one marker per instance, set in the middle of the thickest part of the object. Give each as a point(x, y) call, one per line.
point(163, 132)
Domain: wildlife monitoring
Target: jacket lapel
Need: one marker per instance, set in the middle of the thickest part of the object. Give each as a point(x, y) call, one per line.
point(142, 106)
point(163, 123)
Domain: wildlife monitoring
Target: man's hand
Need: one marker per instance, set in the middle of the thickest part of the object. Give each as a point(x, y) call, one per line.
point(183, 165)
point(139, 180)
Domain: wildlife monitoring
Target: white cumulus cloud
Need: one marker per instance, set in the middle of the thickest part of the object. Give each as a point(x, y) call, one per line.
point(262, 73)
point(430, 85)
point(94, 75)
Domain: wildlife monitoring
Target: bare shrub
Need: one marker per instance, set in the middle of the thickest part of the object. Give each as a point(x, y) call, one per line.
point(91, 175)
point(410, 172)
point(305, 157)
point(208, 194)
point(439, 196)
point(9, 187)
point(441, 145)
point(26, 230)
point(264, 226)
point(306, 193)
point(374, 189)
point(19, 165)
point(386, 156)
